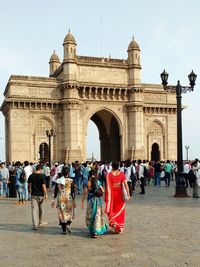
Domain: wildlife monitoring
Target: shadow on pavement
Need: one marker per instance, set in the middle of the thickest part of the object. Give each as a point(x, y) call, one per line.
point(49, 230)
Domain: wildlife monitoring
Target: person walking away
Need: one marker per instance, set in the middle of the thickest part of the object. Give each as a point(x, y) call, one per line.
point(37, 189)
point(186, 169)
point(146, 171)
point(157, 172)
point(20, 179)
point(4, 180)
point(54, 174)
point(59, 169)
point(141, 176)
point(196, 185)
point(71, 171)
point(115, 203)
point(122, 166)
point(151, 172)
point(94, 213)
point(102, 173)
point(85, 169)
point(133, 175)
point(47, 176)
point(168, 169)
point(12, 181)
point(65, 194)
point(28, 171)
point(174, 170)
point(78, 176)
point(128, 176)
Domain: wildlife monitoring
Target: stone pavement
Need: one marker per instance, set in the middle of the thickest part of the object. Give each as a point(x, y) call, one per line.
point(160, 231)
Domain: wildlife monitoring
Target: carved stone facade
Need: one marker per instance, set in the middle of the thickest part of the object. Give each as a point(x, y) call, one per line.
point(135, 120)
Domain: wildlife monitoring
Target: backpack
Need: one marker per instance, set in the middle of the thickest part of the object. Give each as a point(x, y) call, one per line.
point(192, 177)
point(133, 175)
point(146, 173)
point(78, 171)
point(22, 176)
point(104, 172)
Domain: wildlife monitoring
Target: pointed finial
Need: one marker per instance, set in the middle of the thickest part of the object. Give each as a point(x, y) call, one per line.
point(54, 51)
point(69, 30)
point(133, 38)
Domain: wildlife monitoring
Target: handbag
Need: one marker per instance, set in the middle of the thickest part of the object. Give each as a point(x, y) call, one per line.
point(98, 192)
point(124, 193)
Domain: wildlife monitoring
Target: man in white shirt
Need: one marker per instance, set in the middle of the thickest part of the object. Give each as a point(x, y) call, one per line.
point(186, 169)
point(4, 177)
point(28, 171)
point(133, 175)
point(128, 176)
point(141, 176)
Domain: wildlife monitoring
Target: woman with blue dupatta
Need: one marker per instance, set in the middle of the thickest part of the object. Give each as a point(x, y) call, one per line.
point(94, 214)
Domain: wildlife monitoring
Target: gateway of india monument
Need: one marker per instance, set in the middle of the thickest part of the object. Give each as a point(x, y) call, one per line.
point(135, 120)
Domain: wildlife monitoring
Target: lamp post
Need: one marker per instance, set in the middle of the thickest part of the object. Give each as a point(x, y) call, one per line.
point(49, 135)
point(187, 148)
point(180, 183)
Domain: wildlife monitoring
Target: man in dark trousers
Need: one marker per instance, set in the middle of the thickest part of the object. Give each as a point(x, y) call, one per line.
point(141, 176)
point(37, 189)
point(157, 172)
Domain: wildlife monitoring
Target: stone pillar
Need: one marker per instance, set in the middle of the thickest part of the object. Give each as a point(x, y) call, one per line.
point(19, 135)
point(171, 142)
point(136, 148)
point(72, 130)
point(7, 136)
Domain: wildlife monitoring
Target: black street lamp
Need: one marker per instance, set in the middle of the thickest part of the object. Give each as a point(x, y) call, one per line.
point(49, 135)
point(180, 182)
point(187, 148)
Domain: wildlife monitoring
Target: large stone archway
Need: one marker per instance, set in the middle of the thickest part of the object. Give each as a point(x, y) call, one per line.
point(106, 90)
point(109, 135)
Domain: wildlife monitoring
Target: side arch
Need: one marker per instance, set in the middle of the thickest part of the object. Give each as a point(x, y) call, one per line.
point(156, 140)
point(39, 138)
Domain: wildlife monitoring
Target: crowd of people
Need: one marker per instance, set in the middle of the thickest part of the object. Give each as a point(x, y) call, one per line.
point(116, 181)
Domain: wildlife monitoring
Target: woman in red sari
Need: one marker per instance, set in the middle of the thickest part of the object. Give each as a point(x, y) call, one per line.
point(115, 204)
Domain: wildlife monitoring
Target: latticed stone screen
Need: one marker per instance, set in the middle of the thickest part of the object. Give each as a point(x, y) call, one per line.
point(155, 129)
point(41, 126)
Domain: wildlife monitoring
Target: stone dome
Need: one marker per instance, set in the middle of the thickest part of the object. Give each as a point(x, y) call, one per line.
point(54, 57)
point(69, 39)
point(133, 45)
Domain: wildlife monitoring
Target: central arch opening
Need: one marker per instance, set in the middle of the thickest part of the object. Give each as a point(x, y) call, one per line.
point(109, 135)
point(93, 143)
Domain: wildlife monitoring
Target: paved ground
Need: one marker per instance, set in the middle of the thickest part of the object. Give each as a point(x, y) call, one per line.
point(160, 231)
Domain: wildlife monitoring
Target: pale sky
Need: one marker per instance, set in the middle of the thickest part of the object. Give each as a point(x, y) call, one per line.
point(168, 34)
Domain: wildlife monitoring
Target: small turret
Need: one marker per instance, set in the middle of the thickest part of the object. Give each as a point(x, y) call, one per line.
point(69, 45)
point(70, 70)
point(134, 63)
point(54, 63)
point(133, 53)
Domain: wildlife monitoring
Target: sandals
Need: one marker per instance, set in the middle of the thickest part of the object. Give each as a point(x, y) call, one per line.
point(95, 236)
point(116, 229)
